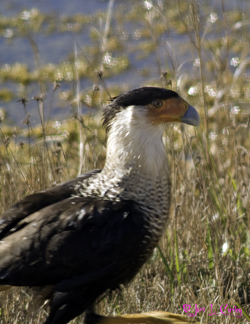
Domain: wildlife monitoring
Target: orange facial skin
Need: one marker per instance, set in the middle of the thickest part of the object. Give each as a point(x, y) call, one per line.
point(171, 111)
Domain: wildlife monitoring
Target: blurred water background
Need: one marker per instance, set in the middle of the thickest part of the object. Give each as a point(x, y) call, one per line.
point(57, 46)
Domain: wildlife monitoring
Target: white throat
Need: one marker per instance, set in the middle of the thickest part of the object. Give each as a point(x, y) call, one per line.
point(135, 144)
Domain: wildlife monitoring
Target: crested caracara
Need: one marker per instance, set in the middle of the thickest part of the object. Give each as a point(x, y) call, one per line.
point(73, 242)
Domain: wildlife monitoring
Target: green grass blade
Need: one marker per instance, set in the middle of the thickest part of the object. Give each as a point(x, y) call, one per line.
point(243, 312)
point(210, 249)
point(177, 259)
point(171, 277)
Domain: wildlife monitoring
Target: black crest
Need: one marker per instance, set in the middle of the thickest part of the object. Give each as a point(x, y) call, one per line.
point(137, 97)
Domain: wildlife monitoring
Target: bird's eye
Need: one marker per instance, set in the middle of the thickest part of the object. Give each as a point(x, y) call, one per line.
point(157, 103)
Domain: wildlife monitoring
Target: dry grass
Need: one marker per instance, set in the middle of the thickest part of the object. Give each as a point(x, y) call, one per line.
point(204, 255)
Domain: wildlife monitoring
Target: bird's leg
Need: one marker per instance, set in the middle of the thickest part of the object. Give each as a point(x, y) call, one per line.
point(147, 318)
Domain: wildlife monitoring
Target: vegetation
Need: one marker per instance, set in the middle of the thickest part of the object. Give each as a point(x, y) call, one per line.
point(204, 256)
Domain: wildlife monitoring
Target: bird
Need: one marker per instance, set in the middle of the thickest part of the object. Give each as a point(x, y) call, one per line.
point(74, 242)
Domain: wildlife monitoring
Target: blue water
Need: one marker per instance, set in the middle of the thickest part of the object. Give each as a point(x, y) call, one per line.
point(57, 47)
point(54, 48)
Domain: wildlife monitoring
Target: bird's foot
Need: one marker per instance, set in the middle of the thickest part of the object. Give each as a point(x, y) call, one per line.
point(147, 318)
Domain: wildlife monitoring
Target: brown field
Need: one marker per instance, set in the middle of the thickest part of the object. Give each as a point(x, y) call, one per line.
point(204, 255)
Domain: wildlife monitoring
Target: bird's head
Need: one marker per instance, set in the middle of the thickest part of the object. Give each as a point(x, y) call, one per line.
point(136, 121)
point(152, 105)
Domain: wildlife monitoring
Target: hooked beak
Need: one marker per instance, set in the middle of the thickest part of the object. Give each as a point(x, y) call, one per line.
point(191, 117)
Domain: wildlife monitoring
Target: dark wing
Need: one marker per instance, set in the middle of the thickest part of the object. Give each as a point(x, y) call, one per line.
point(77, 237)
point(37, 201)
point(80, 246)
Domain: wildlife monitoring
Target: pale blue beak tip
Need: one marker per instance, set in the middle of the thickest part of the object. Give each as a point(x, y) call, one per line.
point(191, 117)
